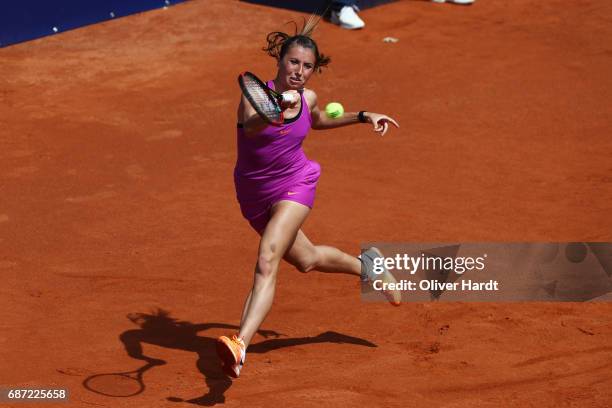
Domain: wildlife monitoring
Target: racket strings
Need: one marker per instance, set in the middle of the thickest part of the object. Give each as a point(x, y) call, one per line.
point(262, 99)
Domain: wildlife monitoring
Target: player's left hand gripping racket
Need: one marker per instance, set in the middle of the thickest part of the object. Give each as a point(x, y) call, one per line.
point(264, 100)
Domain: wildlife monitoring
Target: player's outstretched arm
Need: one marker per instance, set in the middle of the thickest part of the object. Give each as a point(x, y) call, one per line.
point(321, 121)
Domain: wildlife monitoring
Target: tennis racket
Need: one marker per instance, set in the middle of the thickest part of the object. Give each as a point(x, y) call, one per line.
point(264, 100)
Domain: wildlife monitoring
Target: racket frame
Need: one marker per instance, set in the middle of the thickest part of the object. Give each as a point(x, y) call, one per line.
point(274, 96)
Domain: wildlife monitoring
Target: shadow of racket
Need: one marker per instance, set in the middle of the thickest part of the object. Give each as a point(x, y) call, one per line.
point(123, 384)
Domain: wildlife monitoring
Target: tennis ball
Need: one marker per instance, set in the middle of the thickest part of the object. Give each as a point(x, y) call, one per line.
point(334, 110)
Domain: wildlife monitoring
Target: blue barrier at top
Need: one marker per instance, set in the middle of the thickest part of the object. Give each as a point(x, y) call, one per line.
point(313, 6)
point(24, 20)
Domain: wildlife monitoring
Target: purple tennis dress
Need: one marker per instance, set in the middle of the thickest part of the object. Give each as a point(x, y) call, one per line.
point(272, 166)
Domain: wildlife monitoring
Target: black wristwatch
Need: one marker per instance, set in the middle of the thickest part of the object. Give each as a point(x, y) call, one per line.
point(362, 117)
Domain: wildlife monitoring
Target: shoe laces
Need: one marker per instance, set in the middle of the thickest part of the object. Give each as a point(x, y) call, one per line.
point(238, 341)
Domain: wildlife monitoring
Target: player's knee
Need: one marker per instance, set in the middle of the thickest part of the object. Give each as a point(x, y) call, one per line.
point(267, 265)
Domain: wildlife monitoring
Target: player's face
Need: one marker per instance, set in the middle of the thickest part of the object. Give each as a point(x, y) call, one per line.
point(296, 67)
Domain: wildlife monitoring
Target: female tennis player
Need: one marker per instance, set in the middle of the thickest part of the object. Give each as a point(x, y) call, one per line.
point(275, 185)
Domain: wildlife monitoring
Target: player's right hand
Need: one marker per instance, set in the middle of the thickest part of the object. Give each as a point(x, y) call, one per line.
point(290, 99)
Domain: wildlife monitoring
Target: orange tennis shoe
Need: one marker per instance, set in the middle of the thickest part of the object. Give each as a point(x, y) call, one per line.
point(231, 352)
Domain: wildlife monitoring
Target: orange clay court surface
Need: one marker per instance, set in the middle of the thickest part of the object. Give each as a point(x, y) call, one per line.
point(118, 145)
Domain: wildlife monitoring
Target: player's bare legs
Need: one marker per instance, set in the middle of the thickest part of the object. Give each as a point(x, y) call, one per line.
point(283, 238)
point(280, 233)
point(307, 257)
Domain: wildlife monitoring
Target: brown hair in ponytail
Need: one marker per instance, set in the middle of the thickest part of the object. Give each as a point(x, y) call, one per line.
point(279, 43)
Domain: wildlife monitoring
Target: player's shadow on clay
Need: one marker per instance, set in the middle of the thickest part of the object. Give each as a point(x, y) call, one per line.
point(162, 330)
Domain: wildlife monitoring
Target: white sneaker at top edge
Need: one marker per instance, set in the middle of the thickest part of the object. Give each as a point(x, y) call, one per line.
point(347, 18)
